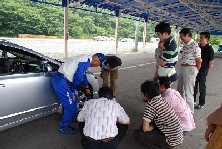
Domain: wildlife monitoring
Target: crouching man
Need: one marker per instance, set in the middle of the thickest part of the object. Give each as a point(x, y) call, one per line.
point(161, 127)
point(102, 122)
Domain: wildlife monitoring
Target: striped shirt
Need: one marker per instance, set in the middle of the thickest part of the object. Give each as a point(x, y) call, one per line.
point(190, 51)
point(165, 118)
point(100, 116)
point(170, 55)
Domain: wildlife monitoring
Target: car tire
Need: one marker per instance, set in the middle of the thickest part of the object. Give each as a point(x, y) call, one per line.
point(82, 98)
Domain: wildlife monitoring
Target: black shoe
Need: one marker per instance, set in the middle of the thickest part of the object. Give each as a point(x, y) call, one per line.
point(199, 107)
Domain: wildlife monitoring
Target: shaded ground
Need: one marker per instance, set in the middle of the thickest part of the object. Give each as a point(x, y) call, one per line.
point(43, 133)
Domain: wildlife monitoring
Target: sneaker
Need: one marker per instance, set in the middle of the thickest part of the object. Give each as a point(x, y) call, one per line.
point(114, 98)
point(185, 133)
point(199, 107)
point(68, 130)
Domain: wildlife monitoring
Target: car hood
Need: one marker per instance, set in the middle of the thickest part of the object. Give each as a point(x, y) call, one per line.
point(9, 46)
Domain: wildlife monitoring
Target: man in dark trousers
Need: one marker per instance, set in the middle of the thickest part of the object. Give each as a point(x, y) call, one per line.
point(102, 122)
point(110, 67)
point(207, 55)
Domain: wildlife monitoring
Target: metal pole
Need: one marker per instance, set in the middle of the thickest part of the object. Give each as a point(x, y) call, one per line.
point(66, 34)
point(116, 32)
point(144, 33)
point(136, 34)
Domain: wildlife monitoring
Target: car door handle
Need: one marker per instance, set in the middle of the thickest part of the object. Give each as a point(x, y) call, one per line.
point(2, 85)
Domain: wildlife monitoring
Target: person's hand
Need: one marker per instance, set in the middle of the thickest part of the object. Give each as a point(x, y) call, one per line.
point(155, 76)
point(87, 91)
point(209, 132)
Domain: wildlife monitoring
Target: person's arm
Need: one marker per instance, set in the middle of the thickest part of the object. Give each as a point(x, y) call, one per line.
point(197, 55)
point(122, 117)
point(215, 117)
point(155, 76)
point(211, 58)
point(211, 63)
point(209, 131)
point(161, 62)
point(147, 126)
point(198, 62)
point(80, 75)
point(82, 113)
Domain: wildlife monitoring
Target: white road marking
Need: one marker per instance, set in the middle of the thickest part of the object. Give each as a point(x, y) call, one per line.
point(123, 68)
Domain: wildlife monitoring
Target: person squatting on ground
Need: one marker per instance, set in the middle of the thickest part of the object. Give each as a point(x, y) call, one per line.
point(179, 105)
point(207, 56)
point(213, 134)
point(110, 67)
point(161, 127)
point(169, 56)
point(66, 81)
point(190, 66)
point(102, 122)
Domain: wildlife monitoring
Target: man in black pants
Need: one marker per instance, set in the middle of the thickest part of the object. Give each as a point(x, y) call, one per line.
point(102, 122)
point(207, 55)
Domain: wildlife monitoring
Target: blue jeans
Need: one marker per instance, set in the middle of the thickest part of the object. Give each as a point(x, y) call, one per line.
point(66, 97)
point(201, 82)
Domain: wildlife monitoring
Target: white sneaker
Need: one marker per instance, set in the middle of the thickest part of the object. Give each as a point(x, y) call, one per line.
point(114, 99)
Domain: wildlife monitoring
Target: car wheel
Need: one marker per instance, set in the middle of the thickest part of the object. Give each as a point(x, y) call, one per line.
point(82, 97)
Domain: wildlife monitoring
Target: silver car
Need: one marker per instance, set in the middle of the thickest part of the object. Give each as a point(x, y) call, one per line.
point(26, 91)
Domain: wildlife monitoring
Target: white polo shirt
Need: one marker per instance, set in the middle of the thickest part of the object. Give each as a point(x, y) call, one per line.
point(100, 116)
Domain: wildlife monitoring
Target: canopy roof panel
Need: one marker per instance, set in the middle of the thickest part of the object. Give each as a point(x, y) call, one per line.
point(198, 15)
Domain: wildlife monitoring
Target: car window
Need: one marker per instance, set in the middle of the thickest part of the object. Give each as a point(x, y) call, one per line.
point(13, 62)
point(220, 46)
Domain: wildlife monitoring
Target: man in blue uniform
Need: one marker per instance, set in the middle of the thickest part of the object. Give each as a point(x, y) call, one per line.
point(66, 81)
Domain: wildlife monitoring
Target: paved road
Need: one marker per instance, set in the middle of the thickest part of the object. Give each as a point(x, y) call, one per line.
point(137, 67)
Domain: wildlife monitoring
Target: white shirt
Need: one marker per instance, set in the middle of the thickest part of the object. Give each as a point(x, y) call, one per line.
point(100, 116)
point(190, 52)
point(70, 66)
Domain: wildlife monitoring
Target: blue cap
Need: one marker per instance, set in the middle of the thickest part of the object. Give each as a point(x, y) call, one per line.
point(101, 57)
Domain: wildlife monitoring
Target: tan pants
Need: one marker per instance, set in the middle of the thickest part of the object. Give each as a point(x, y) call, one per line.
point(113, 76)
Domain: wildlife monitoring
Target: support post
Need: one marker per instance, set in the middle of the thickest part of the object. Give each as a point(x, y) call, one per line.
point(116, 31)
point(66, 34)
point(136, 34)
point(144, 33)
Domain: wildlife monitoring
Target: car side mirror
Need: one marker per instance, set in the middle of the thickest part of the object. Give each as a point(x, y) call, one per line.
point(48, 68)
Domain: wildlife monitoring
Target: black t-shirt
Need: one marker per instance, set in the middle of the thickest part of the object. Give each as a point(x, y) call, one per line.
point(207, 54)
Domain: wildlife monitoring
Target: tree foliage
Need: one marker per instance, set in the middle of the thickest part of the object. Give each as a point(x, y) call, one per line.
point(24, 17)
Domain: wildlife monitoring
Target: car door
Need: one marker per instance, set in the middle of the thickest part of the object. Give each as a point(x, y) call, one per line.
point(22, 93)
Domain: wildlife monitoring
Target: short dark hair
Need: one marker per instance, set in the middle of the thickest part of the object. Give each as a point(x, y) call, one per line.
point(106, 92)
point(206, 34)
point(164, 81)
point(150, 89)
point(163, 27)
point(186, 31)
point(113, 62)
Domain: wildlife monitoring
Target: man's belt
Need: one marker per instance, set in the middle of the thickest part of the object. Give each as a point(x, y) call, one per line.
point(99, 141)
point(187, 65)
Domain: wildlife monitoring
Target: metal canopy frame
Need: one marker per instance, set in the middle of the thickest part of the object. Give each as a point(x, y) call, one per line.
point(198, 15)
